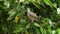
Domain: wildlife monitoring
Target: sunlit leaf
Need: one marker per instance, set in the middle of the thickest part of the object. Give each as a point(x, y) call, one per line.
point(36, 24)
point(58, 11)
point(58, 30)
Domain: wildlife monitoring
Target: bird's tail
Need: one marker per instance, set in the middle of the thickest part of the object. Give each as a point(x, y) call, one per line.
point(37, 20)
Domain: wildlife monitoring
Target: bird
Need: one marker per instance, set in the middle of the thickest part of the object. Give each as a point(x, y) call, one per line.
point(32, 16)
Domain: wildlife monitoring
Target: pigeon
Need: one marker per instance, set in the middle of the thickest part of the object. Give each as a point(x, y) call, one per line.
point(32, 16)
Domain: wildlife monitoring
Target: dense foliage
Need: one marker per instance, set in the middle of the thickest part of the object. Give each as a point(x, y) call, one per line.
point(13, 19)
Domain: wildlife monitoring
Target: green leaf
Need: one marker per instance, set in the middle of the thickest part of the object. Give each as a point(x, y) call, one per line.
point(9, 18)
point(26, 31)
point(36, 24)
point(36, 5)
point(36, 29)
point(58, 30)
point(28, 26)
point(12, 14)
point(18, 28)
point(49, 30)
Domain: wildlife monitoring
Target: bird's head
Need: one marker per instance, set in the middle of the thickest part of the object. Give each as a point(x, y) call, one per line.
point(28, 10)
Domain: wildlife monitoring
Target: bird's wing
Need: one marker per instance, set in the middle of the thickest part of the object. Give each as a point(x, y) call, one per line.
point(32, 14)
point(35, 18)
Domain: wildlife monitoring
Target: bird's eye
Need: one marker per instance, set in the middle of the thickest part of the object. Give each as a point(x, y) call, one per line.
point(25, 13)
